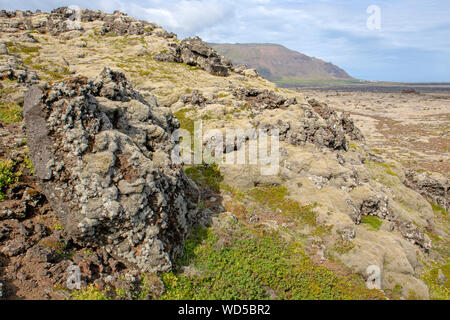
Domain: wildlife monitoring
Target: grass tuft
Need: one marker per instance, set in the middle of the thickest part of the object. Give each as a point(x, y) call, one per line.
point(438, 290)
point(10, 113)
point(8, 176)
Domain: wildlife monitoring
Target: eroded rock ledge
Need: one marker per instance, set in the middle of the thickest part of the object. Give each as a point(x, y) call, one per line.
point(195, 52)
point(101, 153)
point(62, 20)
point(435, 187)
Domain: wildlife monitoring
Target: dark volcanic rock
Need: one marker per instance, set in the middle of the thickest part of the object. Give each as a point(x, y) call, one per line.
point(65, 19)
point(434, 187)
point(13, 69)
point(102, 154)
point(344, 121)
point(416, 236)
point(263, 99)
point(195, 52)
point(122, 24)
point(195, 99)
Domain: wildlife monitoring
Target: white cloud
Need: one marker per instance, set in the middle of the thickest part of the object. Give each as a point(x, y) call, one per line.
point(187, 17)
point(332, 30)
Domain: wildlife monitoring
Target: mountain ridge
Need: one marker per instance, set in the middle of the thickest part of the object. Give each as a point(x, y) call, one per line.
point(279, 64)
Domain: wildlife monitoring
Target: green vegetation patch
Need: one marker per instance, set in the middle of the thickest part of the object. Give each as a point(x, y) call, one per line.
point(438, 208)
point(7, 90)
point(186, 122)
point(110, 34)
point(205, 176)
point(89, 293)
point(395, 293)
point(240, 263)
point(384, 173)
point(10, 113)
point(438, 290)
point(372, 221)
point(343, 246)
point(8, 176)
point(27, 161)
point(52, 74)
point(275, 197)
point(14, 48)
point(388, 168)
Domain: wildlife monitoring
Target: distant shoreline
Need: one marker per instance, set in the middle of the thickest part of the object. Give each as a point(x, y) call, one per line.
point(386, 87)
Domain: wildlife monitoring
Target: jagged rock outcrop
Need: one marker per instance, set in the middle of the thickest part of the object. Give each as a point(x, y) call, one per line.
point(246, 71)
point(335, 120)
point(65, 19)
point(195, 98)
point(324, 129)
point(263, 99)
point(101, 152)
point(435, 187)
point(378, 206)
point(413, 234)
point(13, 69)
point(195, 52)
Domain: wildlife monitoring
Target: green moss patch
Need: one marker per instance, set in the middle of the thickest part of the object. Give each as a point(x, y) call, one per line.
point(206, 176)
point(438, 209)
point(275, 197)
point(52, 74)
point(373, 222)
point(14, 48)
point(186, 122)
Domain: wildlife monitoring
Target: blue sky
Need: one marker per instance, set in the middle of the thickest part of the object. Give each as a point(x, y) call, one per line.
point(412, 44)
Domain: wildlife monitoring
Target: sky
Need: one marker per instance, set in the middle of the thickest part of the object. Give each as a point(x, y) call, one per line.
point(390, 40)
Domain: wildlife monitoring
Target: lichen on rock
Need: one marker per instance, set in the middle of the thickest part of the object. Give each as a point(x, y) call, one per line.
point(195, 52)
point(101, 152)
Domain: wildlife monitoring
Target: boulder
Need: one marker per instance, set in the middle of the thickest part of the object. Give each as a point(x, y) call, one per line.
point(13, 69)
point(334, 120)
point(102, 156)
point(195, 52)
point(263, 99)
point(3, 48)
point(433, 186)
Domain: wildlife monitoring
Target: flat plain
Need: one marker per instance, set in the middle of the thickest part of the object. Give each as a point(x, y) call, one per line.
point(410, 124)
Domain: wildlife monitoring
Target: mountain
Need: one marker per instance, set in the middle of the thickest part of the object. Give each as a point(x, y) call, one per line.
point(280, 64)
